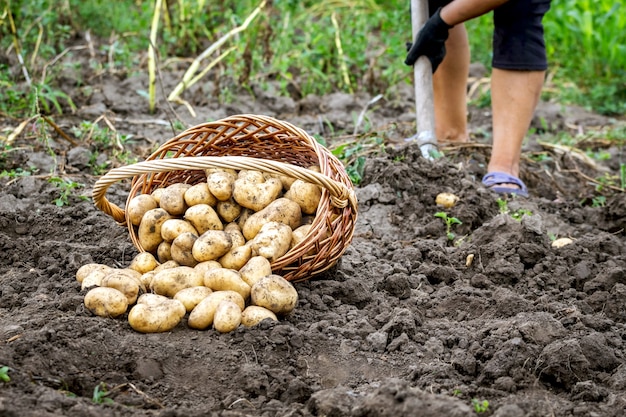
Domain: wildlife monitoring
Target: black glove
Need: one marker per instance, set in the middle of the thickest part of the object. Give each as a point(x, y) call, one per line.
point(430, 41)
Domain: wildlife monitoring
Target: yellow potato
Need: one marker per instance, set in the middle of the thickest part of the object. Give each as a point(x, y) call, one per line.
point(227, 317)
point(201, 317)
point(155, 314)
point(223, 279)
point(164, 252)
point(106, 302)
point(255, 269)
point(138, 206)
point(272, 241)
point(234, 231)
point(281, 210)
point(173, 199)
point(307, 195)
point(181, 249)
point(211, 245)
point(236, 257)
point(274, 293)
point(243, 217)
point(149, 233)
point(190, 297)
point(228, 210)
point(166, 265)
point(202, 267)
point(87, 269)
point(299, 235)
point(220, 182)
point(94, 278)
point(128, 285)
point(146, 279)
point(169, 281)
point(253, 191)
point(143, 262)
point(157, 193)
point(199, 194)
point(172, 228)
point(253, 315)
point(446, 200)
point(203, 217)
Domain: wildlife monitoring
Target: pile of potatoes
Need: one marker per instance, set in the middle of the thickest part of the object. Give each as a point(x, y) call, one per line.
point(208, 253)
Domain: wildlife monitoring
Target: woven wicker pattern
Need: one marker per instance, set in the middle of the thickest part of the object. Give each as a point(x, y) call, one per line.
point(251, 142)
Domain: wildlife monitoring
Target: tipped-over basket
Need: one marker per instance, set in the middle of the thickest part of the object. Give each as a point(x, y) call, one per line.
point(257, 143)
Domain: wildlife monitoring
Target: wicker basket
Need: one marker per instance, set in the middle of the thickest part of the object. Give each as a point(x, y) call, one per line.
point(251, 142)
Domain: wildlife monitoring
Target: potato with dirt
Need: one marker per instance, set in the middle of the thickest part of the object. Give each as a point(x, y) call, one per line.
point(173, 199)
point(155, 314)
point(211, 245)
point(227, 317)
point(229, 210)
point(274, 293)
point(168, 282)
point(191, 297)
point(253, 190)
point(106, 302)
point(199, 194)
point(138, 206)
point(272, 241)
point(253, 315)
point(307, 195)
point(255, 269)
point(220, 182)
point(129, 285)
point(87, 269)
point(149, 232)
point(281, 210)
point(222, 279)
point(172, 228)
point(201, 317)
point(143, 262)
point(203, 218)
point(181, 249)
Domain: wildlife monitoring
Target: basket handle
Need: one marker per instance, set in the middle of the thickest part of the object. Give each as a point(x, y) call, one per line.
point(340, 194)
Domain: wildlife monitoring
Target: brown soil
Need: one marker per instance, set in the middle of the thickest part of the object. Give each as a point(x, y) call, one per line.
point(404, 325)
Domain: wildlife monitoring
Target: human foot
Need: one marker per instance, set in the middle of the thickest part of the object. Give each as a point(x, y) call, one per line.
point(504, 183)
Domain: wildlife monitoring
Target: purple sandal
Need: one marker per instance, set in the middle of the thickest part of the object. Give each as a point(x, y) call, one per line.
point(495, 180)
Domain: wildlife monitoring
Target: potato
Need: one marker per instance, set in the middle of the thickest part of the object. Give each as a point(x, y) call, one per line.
point(157, 193)
point(201, 317)
point(272, 241)
point(227, 317)
point(299, 234)
point(253, 191)
point(138, 206)
point(223, 279)
point(87, 269)
point(106, 302)
point(149, 233)
point(94, 278)
point(236, 257)
point(560, 242)
point(166, 265)
point(190, 297)
point(169, 281)
point(146, 279)
point(202, 267)
point(255, 269)
point(155, 314)
point(181, 249)
point(211, 245)
point(143, 262)
point(173, 199)
point(274, 293)
point(228, 210)
point(307, 195)
point(234, 231)
point(164, 252)
point(446, 200)
point(253, 315)
point(220, 182)
point(203, 217)
point(243, 217)
point(128, 285)
point(281, 210)
point(172, 228)
point(199, 194)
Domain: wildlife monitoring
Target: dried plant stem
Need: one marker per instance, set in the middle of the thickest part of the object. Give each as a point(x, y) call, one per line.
point(152, 55)
point(342, 61)
point(189, 78)
point(16, 45)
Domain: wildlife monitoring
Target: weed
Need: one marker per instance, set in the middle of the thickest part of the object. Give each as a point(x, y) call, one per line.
point(101, 395)
point(66, 187)
point(480, 406)
point(4, 374)
point(598, 201)
point(449, 222)
point(503, 206)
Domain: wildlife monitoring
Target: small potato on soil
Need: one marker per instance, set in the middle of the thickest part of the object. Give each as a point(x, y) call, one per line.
point(227, 317)
point(560, 242)
point(274, 293)
point(87, 269)
point(127, 284)
point(154, 314)
point(253, 315)
point(446, 200)
point(94, 278)
point(255, 269)
point(138, 206)
point(169, 281)
point(223, 279)
point(190, 297)
point(106, 302)
point(201, 317)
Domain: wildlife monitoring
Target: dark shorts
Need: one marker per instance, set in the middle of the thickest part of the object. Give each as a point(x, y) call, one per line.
point(518, 42)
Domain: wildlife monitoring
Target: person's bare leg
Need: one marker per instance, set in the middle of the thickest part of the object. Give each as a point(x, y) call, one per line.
point(450, 88)
point(514, 97)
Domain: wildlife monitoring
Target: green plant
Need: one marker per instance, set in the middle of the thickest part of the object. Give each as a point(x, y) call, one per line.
point(503, 206)
point(480, 406)
point(598, 201)
point(101, 395)
point(449, 222)
point(66, 187)
point(4, 374)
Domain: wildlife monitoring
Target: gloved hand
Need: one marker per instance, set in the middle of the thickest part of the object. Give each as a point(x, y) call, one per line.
point(430, 41)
